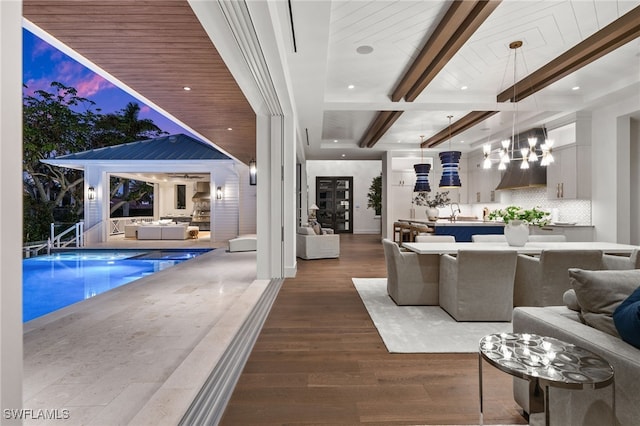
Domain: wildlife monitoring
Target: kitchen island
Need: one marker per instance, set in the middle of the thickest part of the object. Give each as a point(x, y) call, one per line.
point(462, 230)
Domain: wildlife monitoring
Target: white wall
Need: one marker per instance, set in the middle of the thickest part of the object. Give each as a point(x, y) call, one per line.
point(635, 182)
point(247, 202)
point(167, 198)
point(611, 164)
point(363, 172)
point(10, 207)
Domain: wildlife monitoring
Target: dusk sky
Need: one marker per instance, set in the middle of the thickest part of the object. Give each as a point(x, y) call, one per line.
point(43, 64)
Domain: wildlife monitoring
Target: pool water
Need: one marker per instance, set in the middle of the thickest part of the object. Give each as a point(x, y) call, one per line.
point(54, 281)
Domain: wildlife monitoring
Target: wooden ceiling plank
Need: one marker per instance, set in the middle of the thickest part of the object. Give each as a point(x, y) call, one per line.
point(458, 127)
point(446, 28)
point(379, 125)
point(463, 32)
point(614, 35)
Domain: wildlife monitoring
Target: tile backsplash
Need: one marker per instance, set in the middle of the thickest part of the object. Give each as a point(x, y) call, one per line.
point(578, 211)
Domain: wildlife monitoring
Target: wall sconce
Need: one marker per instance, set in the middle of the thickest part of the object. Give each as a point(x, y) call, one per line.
point(91, 193)
point(219, 193)
point(252, 172)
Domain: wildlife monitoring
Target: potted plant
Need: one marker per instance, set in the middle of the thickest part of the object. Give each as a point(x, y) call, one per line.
point(374, 197)
point(517, 221)
point(440, 199)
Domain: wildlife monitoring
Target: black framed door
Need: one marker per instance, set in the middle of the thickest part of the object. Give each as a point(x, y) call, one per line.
point(334, 197)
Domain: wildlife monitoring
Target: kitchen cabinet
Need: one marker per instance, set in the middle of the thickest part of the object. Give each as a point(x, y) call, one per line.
point(403, 178)
point(482, 185)
point(569, 176)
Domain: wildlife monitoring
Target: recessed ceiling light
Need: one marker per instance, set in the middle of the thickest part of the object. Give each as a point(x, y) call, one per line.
point(461, 141)
point(335, 141)
point(186, 88)
point(351, 86)
point(229, 128)
point(575, 88)
point(364, 49)
point(464, 88)
point(344, 155)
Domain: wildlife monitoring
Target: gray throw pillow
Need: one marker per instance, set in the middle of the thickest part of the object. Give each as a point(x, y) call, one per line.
point(600, 292)
point(571, 300)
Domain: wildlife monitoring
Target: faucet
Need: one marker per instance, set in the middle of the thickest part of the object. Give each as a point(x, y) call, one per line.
point(452, 218)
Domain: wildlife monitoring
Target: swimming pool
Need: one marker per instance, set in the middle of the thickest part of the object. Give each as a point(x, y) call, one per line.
point(54, 281)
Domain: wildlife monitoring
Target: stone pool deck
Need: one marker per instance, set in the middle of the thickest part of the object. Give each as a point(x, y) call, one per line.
point(140, 353)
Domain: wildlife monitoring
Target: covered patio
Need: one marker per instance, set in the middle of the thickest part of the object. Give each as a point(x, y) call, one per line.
point(193, 184)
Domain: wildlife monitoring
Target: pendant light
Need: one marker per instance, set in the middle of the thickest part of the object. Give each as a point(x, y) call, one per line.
point(422, 172)
point(450, 161)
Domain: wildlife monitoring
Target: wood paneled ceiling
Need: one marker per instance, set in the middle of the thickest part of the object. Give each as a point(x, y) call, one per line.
point(157, 47)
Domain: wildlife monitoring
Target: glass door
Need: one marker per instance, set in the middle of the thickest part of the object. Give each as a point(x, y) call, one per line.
point(334, 197)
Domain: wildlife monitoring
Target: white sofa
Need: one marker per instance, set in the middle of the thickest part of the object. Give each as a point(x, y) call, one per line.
point(164, 231)
point(310, 245)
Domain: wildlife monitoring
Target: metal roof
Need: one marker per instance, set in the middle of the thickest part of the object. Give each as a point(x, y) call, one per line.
point(173, 147)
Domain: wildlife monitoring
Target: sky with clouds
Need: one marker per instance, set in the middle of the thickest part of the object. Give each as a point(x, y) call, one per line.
point(43, 64)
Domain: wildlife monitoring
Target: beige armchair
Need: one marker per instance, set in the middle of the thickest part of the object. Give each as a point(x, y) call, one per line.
point(488, 238)
point(478, 285)
point(435, 239)
point(611, 261)
point(412, 279)
point(541, 281)
point(309, 245)
point(548, 238)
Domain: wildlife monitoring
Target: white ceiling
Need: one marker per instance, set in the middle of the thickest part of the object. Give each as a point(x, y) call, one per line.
point(329, 33)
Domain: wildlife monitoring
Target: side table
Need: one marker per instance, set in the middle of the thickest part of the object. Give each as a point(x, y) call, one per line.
point(544, 362)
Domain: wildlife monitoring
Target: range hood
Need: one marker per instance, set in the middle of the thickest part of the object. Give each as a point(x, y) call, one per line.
point(203, 192)
point(515, 177)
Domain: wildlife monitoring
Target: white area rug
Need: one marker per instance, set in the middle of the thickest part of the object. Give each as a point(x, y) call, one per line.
point(420, 329)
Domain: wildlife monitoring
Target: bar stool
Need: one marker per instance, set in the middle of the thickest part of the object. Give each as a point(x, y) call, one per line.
point(397, 232)
point(419, 229)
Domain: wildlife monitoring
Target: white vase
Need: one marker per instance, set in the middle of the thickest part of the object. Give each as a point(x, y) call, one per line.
point(433, 213)
point(516, 233)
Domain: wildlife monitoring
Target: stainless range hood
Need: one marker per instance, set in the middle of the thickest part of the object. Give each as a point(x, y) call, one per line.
point(203, 192)
point(515, 177)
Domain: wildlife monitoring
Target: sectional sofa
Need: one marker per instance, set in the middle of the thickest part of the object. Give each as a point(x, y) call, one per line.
point(585, 321)
point(164, 231)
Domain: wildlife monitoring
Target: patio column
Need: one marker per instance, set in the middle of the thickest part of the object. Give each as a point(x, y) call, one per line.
point(96, 211)
point(10, 208)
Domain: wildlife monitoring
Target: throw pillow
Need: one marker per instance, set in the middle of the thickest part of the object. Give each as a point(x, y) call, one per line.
point(600, 292)
point(627, 319)
point(571, 300)
point(316, 228)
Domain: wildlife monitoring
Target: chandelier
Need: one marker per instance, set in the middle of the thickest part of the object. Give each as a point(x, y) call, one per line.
point(450, 161)
point(422, 172)
point(513, 148)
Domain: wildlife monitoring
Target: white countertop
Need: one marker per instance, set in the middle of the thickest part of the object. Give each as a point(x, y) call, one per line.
point(447, 222)
point(528, 248)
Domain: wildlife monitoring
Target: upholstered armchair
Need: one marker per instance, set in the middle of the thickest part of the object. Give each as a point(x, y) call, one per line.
point(310, 245)
point(548, 238)
point(541, 281)
point(612, 261)
point(488, 238)
point(435, 239)
point(477, 285)
point(412, 279)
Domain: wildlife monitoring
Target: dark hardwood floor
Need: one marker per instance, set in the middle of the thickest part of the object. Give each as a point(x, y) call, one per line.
point(319, 360)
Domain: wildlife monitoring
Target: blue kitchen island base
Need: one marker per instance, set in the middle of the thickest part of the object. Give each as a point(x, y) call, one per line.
point(463, 233)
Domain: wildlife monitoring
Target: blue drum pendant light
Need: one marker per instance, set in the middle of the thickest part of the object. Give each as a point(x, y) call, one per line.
point(422, 173)
point(450, 161)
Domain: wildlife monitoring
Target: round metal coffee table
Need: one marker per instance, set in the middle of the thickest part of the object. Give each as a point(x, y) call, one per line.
point(544, 362)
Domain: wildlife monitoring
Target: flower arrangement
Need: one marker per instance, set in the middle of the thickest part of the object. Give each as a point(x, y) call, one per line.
point(534, 216)
point(441, 199)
